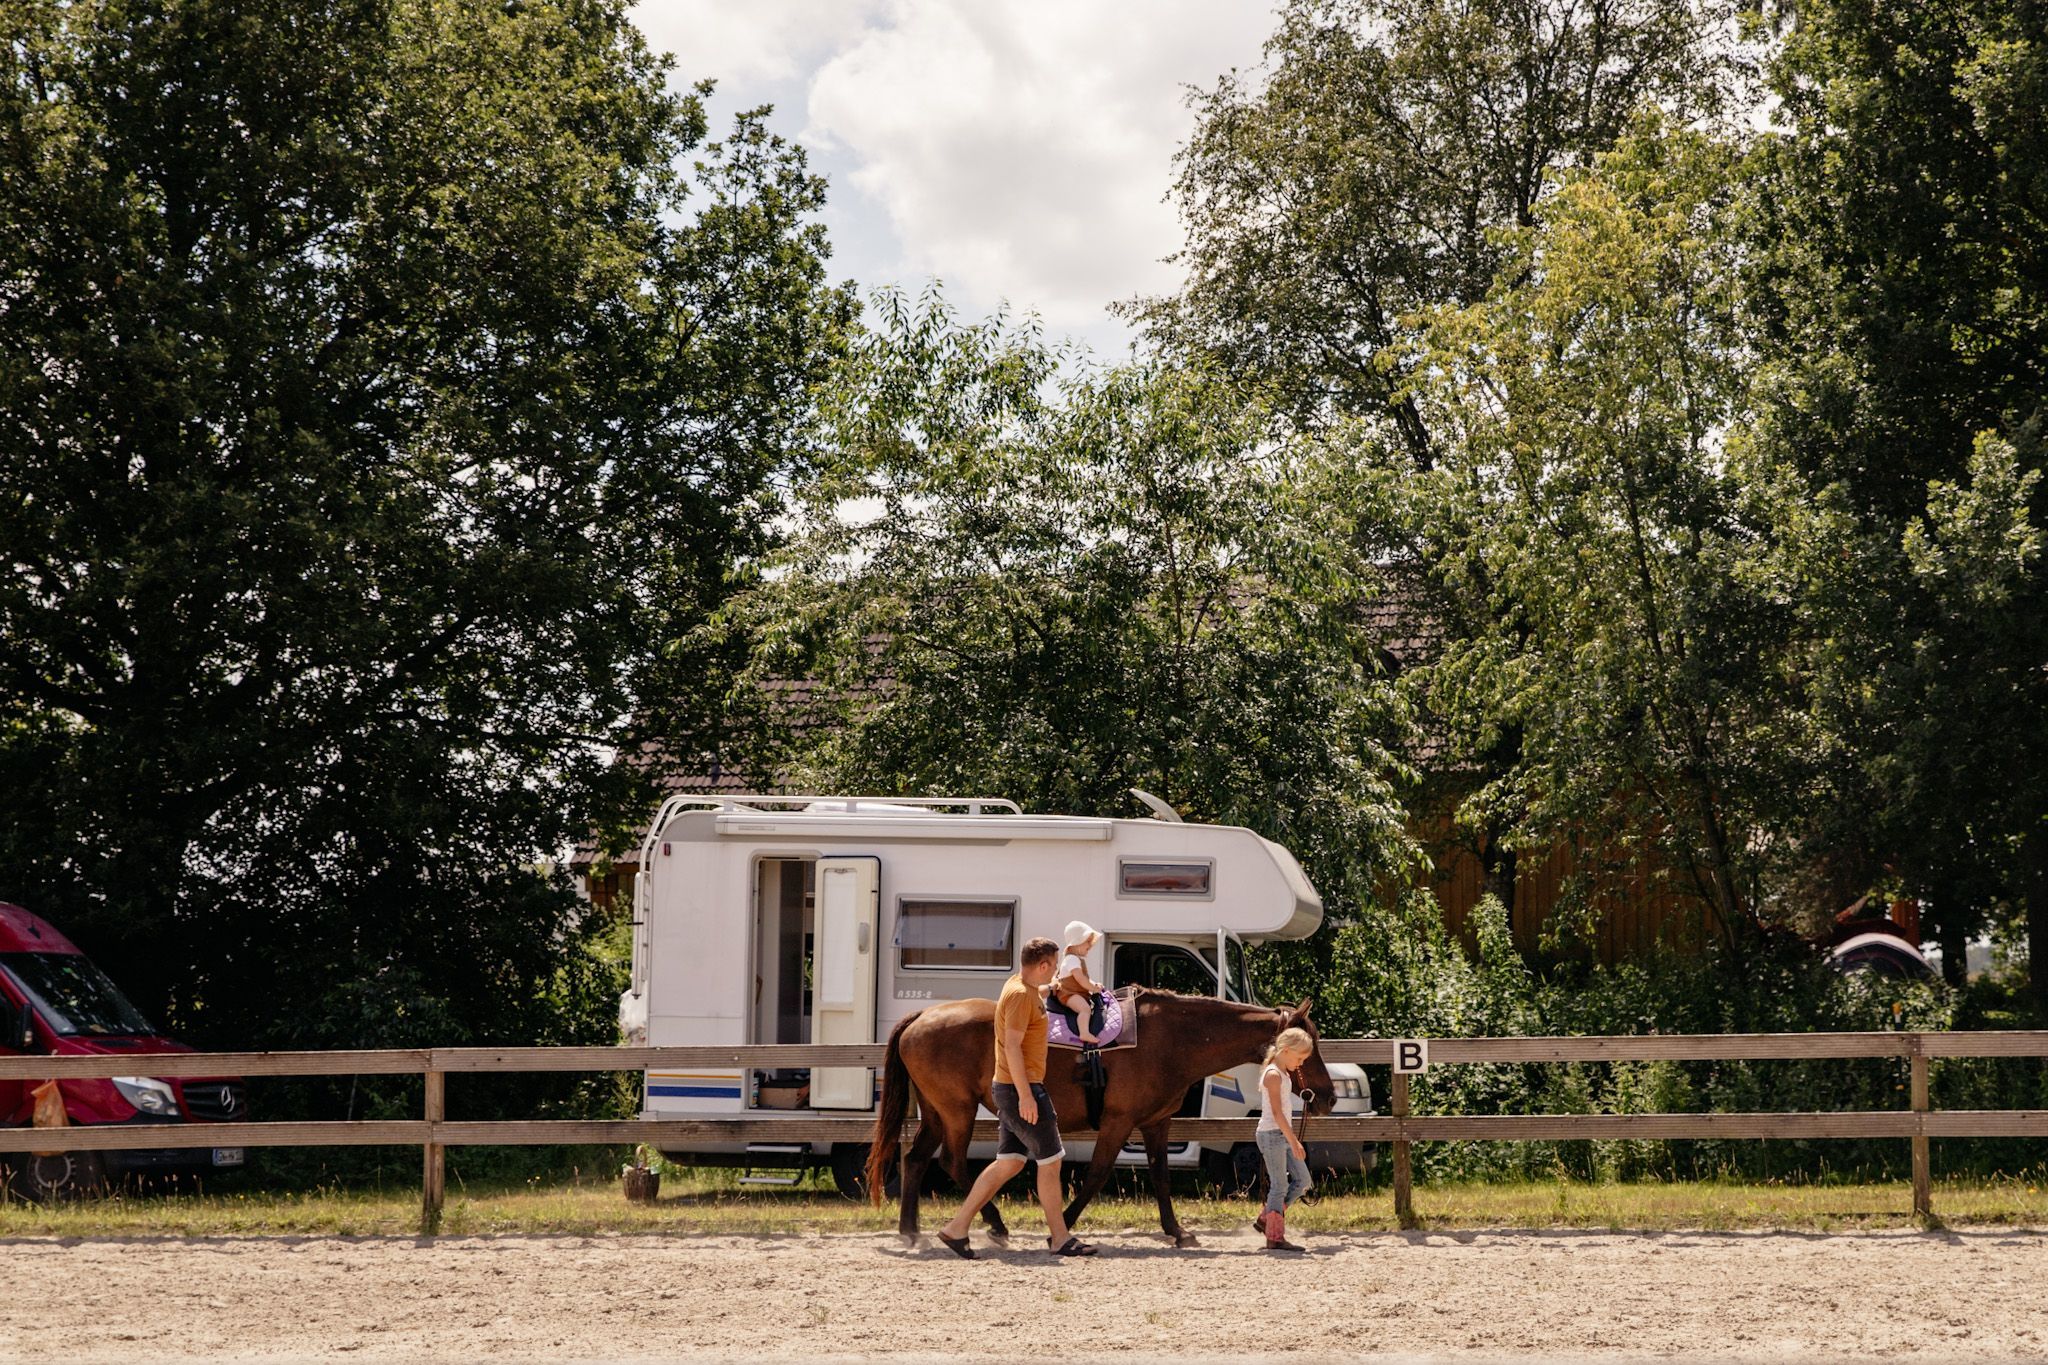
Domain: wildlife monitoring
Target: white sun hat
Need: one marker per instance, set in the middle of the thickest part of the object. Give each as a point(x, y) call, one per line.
point(1076, 931)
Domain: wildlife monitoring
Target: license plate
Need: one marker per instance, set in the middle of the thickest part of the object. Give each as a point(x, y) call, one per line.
point(228, 1156)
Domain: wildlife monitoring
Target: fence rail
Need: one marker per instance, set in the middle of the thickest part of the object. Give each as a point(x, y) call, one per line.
point(434, 1131)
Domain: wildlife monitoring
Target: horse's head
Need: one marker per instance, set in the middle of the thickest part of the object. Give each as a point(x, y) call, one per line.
point(1313, 1076)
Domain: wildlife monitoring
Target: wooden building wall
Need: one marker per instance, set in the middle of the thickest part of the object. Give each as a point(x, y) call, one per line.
point(1636, 900)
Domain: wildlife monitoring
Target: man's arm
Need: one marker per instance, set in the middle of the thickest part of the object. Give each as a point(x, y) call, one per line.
point(1013, 1052)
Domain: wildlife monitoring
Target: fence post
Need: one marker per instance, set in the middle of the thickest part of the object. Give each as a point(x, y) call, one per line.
point(433, 1174)
point(1923, 1174)
point(1404, 1192)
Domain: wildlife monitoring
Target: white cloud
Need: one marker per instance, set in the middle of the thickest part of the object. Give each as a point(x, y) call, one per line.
point(769, 41)
point(1019, 150)
point(1024, 152)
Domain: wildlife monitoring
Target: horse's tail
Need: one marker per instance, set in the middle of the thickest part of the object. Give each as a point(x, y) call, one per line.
point(889, 1114)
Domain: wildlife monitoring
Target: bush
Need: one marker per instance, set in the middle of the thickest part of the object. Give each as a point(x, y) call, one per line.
point(1393, 971)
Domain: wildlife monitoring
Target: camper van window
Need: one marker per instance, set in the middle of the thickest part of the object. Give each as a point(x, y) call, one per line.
point(955, 935)
point(1180, 971)
point(1140, 878)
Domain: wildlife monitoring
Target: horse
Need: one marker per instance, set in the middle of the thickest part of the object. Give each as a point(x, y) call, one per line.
point(947, 1053)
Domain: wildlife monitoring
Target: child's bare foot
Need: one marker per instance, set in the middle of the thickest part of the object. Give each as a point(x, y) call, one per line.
point(1089, 1039)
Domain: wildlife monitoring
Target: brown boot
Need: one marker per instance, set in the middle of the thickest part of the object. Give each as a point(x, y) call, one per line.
point(1276, 1233)
point(1260, 1221)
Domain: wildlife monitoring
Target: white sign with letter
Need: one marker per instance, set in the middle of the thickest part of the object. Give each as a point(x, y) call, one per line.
point(1411, 1056)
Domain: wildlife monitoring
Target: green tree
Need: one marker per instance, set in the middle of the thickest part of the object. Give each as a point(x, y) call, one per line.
point(1901, 299)
point(376, 383)
point(1362, 179)
point(1058, 588)
point(1588, 481)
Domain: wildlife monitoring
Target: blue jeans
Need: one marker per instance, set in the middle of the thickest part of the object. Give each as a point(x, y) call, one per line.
point(1286, 1174)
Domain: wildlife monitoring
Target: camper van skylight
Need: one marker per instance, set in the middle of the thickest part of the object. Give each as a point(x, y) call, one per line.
point(1144, 878)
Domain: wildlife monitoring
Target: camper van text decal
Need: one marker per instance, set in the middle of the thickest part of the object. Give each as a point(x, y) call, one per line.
point(913, 995)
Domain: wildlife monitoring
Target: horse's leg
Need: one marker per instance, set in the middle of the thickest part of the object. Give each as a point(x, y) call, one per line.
point(1109, 1141)
point(916, 1158)
point(960, 1133)
point(1154, 1134)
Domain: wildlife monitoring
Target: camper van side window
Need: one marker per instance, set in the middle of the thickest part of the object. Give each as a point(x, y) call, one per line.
point(1138, 877)
point(955, 935)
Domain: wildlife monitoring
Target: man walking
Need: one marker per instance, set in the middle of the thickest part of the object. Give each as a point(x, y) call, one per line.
point(1030, 1130)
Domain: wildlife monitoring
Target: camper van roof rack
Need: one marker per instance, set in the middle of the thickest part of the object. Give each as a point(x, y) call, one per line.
point(848, 805)
point(944, 808)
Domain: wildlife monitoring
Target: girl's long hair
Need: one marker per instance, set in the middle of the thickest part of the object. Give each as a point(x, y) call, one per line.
point(1289, 1040)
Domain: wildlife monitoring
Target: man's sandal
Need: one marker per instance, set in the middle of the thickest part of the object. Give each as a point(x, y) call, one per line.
point(1073, 1246)
point(958, 1246)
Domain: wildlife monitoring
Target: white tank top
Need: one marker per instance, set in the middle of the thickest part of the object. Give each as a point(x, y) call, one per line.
point(1267, 1123)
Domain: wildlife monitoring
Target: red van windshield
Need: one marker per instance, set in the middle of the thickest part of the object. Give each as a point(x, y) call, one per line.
point(73, 996)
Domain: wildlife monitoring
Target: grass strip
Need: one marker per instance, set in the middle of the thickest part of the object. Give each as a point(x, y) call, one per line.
point(713, 1202)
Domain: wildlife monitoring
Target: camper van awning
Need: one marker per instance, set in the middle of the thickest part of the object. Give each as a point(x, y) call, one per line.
point(1006, 827)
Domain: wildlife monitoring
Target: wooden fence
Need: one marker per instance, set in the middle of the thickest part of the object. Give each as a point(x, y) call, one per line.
point(434, 1131)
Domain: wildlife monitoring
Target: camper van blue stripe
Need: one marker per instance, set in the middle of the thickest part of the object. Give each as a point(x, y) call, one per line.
point(1225, 1088)
point(709, 1092)
point(695, 1091)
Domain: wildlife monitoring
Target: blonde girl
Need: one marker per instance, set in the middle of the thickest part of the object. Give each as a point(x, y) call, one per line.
point(1287, 1176)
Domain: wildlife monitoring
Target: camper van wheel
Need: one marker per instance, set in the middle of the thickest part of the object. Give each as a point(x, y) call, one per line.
point(850, 1172)
point(1247, 1171)
point(59, 1176)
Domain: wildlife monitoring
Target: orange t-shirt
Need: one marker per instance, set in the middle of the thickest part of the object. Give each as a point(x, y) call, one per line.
point(1019, 1007)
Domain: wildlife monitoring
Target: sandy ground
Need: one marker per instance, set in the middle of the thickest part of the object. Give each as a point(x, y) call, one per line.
point(1464, 1296)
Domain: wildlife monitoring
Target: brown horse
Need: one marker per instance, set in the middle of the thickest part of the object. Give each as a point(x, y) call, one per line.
point(948, 1053)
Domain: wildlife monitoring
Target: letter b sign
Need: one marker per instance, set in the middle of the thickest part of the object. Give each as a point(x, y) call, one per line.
point(1411, 1056)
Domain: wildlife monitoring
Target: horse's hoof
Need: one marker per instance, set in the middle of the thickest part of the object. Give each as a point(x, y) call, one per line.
point(1001, 1239)
point(1186, 1239)
point(908, 1240)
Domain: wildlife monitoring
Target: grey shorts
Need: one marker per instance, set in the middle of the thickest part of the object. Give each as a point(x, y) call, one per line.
point(1038, 1141)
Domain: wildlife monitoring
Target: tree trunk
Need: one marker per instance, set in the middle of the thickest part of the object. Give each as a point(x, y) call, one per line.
point(1952, 931)
point(1497, 867)
point(2035, 854)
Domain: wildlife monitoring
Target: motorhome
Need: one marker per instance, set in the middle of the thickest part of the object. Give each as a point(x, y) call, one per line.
point(828, 919)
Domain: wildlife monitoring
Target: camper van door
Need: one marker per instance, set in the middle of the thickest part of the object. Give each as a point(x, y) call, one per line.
point(843, 976)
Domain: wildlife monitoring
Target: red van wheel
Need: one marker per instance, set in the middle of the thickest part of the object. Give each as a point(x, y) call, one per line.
point(62, 1175)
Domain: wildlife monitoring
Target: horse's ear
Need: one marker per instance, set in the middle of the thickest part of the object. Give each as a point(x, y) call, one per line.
point(1300, 1011)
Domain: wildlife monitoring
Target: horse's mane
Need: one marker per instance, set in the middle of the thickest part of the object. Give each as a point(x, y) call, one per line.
point(1139, 993)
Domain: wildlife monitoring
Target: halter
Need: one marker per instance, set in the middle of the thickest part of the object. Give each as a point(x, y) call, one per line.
point(1308, 1099)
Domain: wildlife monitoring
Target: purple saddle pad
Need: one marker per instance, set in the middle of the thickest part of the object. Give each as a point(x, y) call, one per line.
point(1115, 1013)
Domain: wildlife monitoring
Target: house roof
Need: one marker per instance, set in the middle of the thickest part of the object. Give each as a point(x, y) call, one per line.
point(1397, 621)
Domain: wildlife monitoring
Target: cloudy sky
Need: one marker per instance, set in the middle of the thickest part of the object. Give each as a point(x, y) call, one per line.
point(1018, 150)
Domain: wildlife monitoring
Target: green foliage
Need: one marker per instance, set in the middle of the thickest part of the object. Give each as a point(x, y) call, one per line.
point(1661, 429)
point(1399, 975)
point(1584, 489)
point(1371, 174)
point(1358, 179)
point(1058, 588)
point(379, 383)
point(1901, 316)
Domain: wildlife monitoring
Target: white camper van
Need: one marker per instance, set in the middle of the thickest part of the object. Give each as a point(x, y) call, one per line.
point(827, 919)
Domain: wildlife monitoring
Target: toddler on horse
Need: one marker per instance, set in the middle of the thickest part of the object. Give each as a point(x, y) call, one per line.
point(1076, 992)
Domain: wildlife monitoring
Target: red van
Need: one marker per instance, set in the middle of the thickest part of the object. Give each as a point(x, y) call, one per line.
point(55, 1002)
